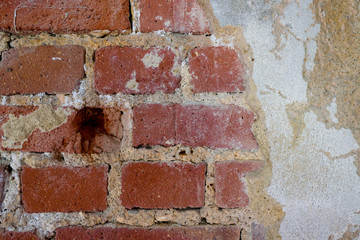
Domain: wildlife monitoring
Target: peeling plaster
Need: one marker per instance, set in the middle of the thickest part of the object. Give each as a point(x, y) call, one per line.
point(18, 129)
point(315, 180)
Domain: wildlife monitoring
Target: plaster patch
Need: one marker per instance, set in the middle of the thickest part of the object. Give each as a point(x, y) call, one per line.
point(18, 129)
point(152, 60)
point(132, 84)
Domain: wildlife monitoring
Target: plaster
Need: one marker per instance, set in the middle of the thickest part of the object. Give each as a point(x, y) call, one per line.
point(313, 173)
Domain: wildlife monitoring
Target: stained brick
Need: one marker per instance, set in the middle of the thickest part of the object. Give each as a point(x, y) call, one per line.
point(136, 71)
point(182, 16)
point(229, 183)
point(157, 233)
point(90, 130)
point(58, 16)
point(216, 69)
point(193, 125)
point(63, 189)
point(49, 69)
point(215, 126)
point(9, 235)
point(162, 185)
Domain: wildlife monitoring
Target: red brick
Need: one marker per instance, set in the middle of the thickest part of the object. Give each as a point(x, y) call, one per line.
point(162, 185)
point(2, 184)
point(215, 127)
point(136, 71)
point(157, 233)
point(193, 125)
point(8, 235)
point(182, 16)
point(216, 69)
point(90, 130)
point(230, 190)
point(154, 124)
point(58, 16)
point(62, 189)
point(49, 69)
point(37, 141)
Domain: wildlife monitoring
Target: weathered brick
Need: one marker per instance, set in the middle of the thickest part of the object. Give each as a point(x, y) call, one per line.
point(193, 125)
point(49, 69)
point(230, 190)
point(58, 16)
point(9, 235)
point(21, 131)
point(90, 130)
point(216, 69)
point(162, 185)
point(156, 233)
point(182, 16)
point(215, 126)
point(136, 71)
point(2, 183)
point(63, 189)
point(154, 124)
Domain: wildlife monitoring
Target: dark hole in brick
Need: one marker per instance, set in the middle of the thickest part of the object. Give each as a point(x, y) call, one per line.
point(96, 137)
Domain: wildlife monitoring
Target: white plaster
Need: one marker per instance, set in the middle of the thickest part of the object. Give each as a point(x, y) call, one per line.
point(56, 58)
point(332, 108)
point(152, 60)
point(315, 181)
point(132, 84)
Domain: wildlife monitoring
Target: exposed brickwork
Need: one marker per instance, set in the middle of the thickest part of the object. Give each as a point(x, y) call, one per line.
point(156, 141)
point(160, 233)
point(216, 69)
point(49, 69)
point(90, 130)
point(182, 16)
point(136, 70)
point(230, 187)
point(58, 16)
point(8, 235)
point(163, 185)
point(61, 189)
point(194, 125)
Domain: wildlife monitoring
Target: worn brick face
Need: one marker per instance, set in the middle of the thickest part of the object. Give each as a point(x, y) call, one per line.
point(216, 69)
point(89, 130)
point(193, 125)
point(229, 183)
point(215, 126)
point(136, 71)
point(63, 189)
point(157, 233)
point(154, 125)
point(49, 69)
point(182, 16)
point(37, 141)
point(64, 16)
point(162, 185)
point(9, 235)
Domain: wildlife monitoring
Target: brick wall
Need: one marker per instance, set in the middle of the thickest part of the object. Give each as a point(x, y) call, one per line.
point(123, 120)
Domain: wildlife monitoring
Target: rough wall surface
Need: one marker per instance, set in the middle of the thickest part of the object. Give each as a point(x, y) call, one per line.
point(188, 119)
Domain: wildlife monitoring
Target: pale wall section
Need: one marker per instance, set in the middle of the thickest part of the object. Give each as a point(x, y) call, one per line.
point(313, 175)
